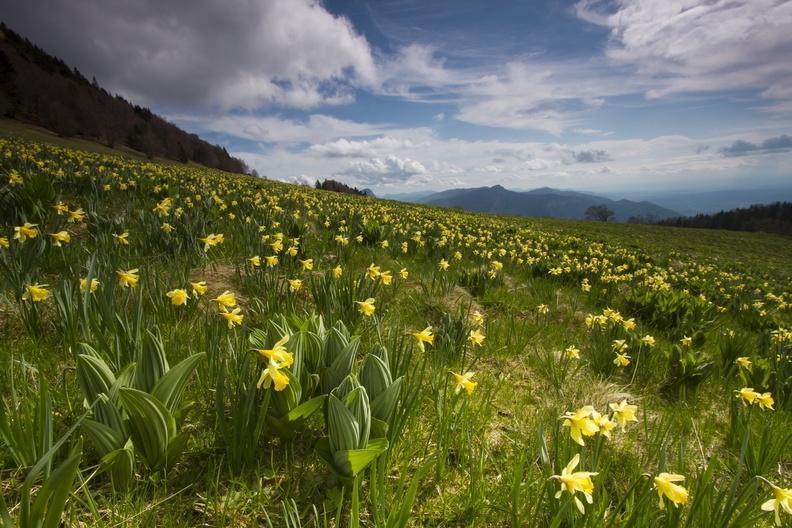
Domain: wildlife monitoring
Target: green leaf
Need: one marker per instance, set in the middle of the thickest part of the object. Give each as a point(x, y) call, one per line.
point(151, 424)
point(170, 387)
point(350, 463)
point(382, 406)
point(121, 464)
point(105, 439)
point(51, 499)
point(343, 429)
point(151, 364)
point(306, 409)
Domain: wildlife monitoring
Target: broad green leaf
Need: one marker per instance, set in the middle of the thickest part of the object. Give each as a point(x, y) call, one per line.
point(170, 387)
point(343, 429)
point(151, 424)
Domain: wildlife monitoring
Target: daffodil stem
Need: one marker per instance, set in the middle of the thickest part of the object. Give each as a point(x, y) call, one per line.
point(262, 415)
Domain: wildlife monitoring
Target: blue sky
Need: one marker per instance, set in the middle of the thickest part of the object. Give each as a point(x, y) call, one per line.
point(406, 95)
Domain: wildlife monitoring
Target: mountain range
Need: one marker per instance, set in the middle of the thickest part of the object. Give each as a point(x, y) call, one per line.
point(544, 201)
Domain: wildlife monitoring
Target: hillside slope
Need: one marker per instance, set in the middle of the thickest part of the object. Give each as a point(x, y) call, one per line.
point(37, 88)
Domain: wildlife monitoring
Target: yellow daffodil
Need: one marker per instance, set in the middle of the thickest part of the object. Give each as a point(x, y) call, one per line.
point(576, 481)
point(4, 242)
point(747, 395)
point(373, 271)
point(212, 240)
point(443, 265)
point(424, 336)
point(234, 317)
point(295, 285)
point(366, 307)
point(227, 299)
point(25, 231)
point(543, 309)
point(166, 227)
point(476, 337)
point(199, 288)
point(271, 261)
point(648, 341)
point(463, 381)
point(477, 318)
point(61, 208)
point(337, 272)
point(123, 238)
point(386, 278)
point(178, 297)
point(128, 279)
point(621, 360)
point(403, 273)
point(307, 264)
point(59, 238)
point(686, 341)
point(782, 500)
point(623, 413)
point(76, 216)
point(664, 484)
point(744, 362)
point(273, 376)
point(36, 292)
point(278, 353)
point(84, 285)
point(572, 352)
point(765, 401)
point(580, 424)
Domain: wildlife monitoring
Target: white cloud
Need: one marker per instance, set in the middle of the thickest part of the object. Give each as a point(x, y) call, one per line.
point(344, 148)
point(688, 46)
point(388, 170)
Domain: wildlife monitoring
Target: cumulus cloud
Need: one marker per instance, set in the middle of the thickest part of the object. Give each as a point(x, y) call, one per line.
point(768, 146)
point(591, 156)
point(383, 171)
point(344, 148)
point(193, 53)
point(688, 46)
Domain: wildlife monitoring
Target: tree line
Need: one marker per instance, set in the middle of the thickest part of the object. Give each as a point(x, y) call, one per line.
point(770, 218)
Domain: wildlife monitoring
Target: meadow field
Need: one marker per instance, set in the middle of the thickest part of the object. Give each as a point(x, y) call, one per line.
point(181, 346)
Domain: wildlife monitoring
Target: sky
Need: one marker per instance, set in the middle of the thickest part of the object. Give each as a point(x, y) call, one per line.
point(411, 95)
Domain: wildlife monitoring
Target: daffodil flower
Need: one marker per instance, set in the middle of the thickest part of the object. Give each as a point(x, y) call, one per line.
point(782, 500)
point(576, 481)
point(580, 424)
point(234, 317)
point(178, 297)
point(36, 292)
point(278, 353)
point(227, 299)
point(59, 238)
point(366, 307)
point(25, 231)
point(273, 376)
point(623, 413)
point(424, 336)
point(464, 382)
point(199, 288)
point(665, 485)
point(128, 279)
point(476, 337)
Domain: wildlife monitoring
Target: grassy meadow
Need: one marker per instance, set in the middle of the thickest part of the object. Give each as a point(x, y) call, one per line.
point(186, 347)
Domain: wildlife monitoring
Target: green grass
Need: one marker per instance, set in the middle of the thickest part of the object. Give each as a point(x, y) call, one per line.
point(479, 459)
